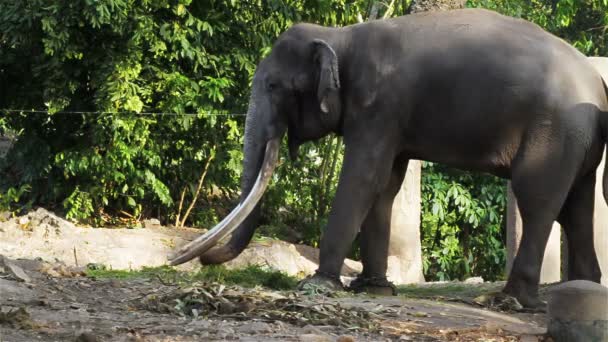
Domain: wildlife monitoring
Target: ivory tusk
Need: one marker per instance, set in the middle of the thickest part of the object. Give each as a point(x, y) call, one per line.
point(204, 242)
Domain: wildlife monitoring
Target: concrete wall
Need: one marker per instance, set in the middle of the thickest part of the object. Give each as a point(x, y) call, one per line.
point(405, 253)
point(601, 225)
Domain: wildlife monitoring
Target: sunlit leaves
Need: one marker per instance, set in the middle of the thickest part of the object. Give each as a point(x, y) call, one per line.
point(124, 58)
point(462, 215)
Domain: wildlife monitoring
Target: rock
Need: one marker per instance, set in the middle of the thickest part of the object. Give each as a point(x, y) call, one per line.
point(311, 330)
point(499, 300)
point(18, 319)
point(54, 238)
point(474, 280)
point(58, 270)
point(14, 271)
point(493, 327)
point(12, 289)
point(295, 260)
point(315, 338)
point(254, 328)
point(151, 223)
point(578, 311)
point(87, 337)
point(5, 216)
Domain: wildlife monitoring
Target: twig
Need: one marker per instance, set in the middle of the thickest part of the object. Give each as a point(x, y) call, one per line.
point(389, 10)
point(162, 281)
point(603, 27)
point(200, 185)
point(179, 209)
point(75, 257)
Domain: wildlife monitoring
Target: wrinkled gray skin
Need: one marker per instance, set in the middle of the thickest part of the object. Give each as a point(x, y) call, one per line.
point(468, 88)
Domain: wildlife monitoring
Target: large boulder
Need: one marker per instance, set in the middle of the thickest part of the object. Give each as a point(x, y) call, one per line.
point(42, 234)
point(578, 312)
point(296, 260)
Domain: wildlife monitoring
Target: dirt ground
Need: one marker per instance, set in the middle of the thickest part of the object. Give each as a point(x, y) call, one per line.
point(52, 302)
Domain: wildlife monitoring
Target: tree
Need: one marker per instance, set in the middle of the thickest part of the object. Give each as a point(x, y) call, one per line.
point(130, 97)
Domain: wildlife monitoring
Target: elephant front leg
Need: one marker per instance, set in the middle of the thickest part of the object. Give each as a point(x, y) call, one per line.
point(366, 171)
point(375, 236)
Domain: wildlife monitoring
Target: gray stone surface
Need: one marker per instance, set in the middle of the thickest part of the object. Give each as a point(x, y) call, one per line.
point(578, 331)
point(578, 300)
point(13, 290)
point(405, 252)
point(292, 259)
point(13, 270)
point(45, 235)
point(578, 311)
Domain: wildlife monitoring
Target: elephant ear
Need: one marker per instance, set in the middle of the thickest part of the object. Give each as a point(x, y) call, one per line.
point(328, 89)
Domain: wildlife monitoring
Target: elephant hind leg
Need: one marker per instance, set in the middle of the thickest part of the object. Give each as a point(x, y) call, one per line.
point(541, 179)
point(576, 218)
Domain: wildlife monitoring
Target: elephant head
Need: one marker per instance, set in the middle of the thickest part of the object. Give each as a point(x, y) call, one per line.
point(295, 89)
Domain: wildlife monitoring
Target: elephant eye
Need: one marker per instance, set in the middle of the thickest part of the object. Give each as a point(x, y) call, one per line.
point(270, 86)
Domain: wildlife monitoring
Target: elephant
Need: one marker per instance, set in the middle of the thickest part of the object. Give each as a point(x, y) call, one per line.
point(468, 88)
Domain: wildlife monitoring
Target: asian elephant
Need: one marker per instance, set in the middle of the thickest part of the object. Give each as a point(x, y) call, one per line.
point(468, 88)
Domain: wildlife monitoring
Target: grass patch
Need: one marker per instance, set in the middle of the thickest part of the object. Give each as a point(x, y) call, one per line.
point(144, 273)
point(250, 276)
point(448, 290)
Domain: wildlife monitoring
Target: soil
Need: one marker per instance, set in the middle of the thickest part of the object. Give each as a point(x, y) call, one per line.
point(58, 303)
point(54, 300)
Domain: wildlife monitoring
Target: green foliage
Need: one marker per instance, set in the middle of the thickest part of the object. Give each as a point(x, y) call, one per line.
point(462, 291)
point(250, 276)
point(462, 216)
point(126, 61)
point(128, 57)
point(583, 23)
point(79, 206)
point(12, 200)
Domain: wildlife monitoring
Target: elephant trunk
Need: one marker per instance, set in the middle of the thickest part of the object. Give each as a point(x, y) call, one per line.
point(260, 159)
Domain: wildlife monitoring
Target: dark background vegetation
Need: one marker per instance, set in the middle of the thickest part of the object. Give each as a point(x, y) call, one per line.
point(82, 84)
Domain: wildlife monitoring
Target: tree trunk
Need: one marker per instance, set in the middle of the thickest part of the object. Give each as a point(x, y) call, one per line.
point(405, 252)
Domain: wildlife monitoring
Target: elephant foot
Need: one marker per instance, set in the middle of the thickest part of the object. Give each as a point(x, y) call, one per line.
point(373, 285)
point(505, 302)
point(320, 283)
